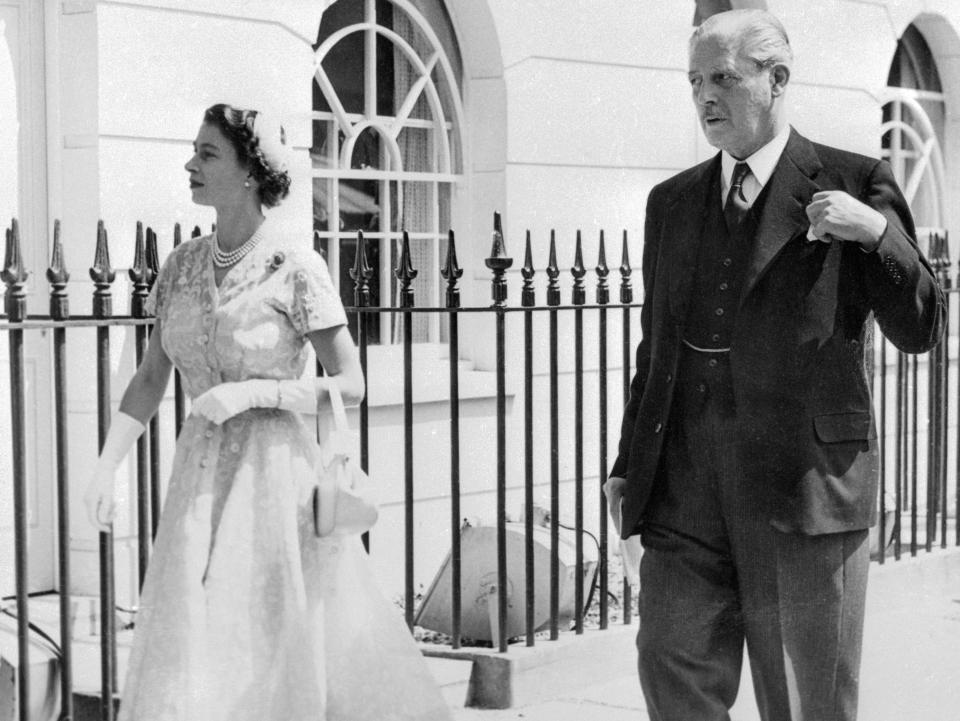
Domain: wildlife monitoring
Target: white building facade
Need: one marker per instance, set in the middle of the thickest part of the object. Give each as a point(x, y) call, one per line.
point(416, 115)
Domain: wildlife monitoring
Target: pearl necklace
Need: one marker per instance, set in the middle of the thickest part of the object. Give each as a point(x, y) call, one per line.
point(223, 259)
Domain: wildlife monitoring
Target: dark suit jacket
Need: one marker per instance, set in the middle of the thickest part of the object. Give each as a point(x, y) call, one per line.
point(807, 435)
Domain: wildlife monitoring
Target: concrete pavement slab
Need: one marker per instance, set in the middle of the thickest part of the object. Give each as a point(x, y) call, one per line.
point(910, 669)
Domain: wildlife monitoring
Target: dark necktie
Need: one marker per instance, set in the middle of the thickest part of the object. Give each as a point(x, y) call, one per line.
point(736, 207)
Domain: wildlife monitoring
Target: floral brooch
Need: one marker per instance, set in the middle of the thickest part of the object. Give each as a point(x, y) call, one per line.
point(276, 260)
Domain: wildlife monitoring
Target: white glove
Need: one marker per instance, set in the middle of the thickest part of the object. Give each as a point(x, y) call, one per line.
point(100, 497)
point(228, 399)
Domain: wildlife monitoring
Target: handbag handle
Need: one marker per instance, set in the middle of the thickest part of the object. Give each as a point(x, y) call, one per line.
point(339, 442)
point(336, 404)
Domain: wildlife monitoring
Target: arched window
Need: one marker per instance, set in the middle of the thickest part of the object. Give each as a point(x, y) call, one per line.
point(914, 113)
point(386, 149)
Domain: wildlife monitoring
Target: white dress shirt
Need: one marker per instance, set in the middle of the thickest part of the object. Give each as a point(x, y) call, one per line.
point(761, 163)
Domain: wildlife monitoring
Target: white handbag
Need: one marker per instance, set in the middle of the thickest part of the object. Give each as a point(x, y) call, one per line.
point(344, 502)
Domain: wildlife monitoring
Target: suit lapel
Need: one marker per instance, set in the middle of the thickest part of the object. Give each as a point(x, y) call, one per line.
point(684, 231)
point(783, 215)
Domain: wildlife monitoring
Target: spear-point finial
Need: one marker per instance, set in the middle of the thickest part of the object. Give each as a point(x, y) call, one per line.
point(196, 232)
point(579, 295)
point(58, 278)
point(138, 269)
point(553, 273)
point(528, 294)
point(153, 257)
point(138, 274)
point(361, 273)
point(603, 290)
point(14, 275)
point(405, 273)
point(498, 248)
point(177, 235)
point(498, 262)
point(626, 289)
point(102, 274)
point(452, 272)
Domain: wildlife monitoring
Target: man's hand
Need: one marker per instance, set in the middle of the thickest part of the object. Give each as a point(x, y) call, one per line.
point(840, 215)
point(613, 489)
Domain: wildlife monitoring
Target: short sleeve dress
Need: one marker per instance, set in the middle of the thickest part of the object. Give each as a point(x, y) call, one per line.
point(245, 614)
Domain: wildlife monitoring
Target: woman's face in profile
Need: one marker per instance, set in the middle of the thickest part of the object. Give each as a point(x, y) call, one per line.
point(216, 175)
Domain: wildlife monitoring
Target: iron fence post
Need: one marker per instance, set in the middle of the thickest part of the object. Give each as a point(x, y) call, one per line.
point(58, 277)
point(361, 273)
point(179, 400)
point(578, 298)
point(553, 300)
point(452, 272)
point(103, 276)
point(528, 300)
point(15, 305)
point(405, 274)
point(499, 262)
point(603, 298)
point(626, 298)
point(153, 426)
point(138, 273)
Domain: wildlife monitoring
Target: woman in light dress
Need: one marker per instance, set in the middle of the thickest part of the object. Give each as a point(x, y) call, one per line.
point(245, 613)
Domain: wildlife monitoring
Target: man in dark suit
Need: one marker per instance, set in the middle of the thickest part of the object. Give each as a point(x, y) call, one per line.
point(748, 457)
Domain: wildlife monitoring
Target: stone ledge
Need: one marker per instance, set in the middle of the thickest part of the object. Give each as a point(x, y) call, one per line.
point(525, 675)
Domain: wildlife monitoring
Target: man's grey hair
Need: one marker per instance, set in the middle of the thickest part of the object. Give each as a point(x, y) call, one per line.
point(761, 35)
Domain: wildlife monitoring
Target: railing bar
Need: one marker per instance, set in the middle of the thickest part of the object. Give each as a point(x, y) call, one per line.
point(956, 445)
point(933, 426)
point(363, 342)
point(914, 490)
point(144, 526)
point(108, 682)
point(63, 525)
point(487, 309)
point(456, 602)
point(103, 275)
point(943, 435)
point(882, 447)
point(76, 321)
point(898, 460)
point(20, 520)
point(528, 476)
point(502, 579)
point(578, 468)
point(554, 483)
point(156, 504)
point(944, 396)
point(408, 494)
point(83, 321)
point(602, 502)
point(626, 363)
point(179, 403)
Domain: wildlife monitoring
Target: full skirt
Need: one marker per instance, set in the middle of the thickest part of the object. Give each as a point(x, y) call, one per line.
point(245, 614)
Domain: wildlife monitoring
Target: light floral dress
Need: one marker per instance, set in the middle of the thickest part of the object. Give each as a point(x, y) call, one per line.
point(245, 614)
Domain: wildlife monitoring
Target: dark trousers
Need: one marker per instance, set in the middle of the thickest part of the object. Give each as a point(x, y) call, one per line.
point(715, 573)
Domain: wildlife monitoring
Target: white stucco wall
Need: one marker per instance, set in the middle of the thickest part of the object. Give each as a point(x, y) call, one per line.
point(574, 111)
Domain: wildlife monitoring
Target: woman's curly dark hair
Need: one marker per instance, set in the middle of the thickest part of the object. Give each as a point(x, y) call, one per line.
point(236, 124)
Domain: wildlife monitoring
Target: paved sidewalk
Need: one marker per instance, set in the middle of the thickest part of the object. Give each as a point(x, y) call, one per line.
point(910, 671)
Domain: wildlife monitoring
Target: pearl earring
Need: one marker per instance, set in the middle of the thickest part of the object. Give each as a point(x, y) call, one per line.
point(246, 183)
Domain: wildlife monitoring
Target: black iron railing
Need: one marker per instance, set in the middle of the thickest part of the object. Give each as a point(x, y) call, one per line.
point(918, 403)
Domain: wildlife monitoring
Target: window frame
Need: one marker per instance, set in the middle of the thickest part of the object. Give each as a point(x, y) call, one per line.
point(445, 152)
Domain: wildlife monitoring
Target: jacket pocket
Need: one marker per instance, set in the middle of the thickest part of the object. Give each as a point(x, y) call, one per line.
point(839, 427)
